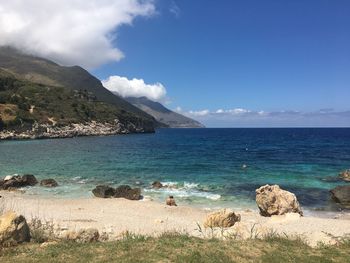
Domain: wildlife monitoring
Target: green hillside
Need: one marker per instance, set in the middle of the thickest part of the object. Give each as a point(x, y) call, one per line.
point(37, 90)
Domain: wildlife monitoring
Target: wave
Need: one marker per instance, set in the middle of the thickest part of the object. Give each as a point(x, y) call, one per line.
point(183, 190)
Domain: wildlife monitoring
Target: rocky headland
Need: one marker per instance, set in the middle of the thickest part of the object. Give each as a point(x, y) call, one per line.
point(92, 128)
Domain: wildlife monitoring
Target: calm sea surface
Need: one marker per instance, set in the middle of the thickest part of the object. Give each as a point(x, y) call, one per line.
point(203, 166)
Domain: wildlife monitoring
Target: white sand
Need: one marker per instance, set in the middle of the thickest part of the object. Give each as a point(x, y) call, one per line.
point(115, 216)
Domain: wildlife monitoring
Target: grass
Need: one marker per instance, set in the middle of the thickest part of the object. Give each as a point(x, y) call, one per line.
point(172, 247)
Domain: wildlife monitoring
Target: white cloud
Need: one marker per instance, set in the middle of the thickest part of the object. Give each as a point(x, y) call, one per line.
point(178, 109)
point(235, 111)
point(199, 113)
point(239, 117)
point(69, 32)
point(135, 88)
point(174, 9)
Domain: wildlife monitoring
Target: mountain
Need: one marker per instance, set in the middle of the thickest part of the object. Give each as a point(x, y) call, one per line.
point(163, 115)
point(38, 91)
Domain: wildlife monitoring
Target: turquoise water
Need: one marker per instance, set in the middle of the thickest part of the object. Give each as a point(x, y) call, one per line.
point(203, 166)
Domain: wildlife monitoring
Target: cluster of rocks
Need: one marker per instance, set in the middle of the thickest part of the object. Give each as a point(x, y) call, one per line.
point(271, 200)
point(123, 191)
point(92, 128)
point(14, 230)
point(127, 192)
point(12, 182)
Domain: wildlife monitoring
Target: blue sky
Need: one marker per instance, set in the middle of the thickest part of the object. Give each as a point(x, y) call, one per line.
point(256, 55)
point(227, 62)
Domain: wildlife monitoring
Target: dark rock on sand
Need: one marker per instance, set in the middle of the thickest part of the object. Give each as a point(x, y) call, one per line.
point(49, 183)
point(125, 191)
point(103, 191)
point(341, 195)
point(157, 185)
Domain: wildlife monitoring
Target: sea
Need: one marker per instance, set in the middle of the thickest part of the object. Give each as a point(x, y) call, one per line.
point(207, 168)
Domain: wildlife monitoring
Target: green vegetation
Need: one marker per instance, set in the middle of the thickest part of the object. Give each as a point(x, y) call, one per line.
point(179, 248)
point(96, 101)
point(22, 103)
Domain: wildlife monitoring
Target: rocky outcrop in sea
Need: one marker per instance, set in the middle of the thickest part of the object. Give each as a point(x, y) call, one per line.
point(93, 128)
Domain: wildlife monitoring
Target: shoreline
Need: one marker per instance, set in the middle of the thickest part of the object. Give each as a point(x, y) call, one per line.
point(117, 216)
point(87, 129)
point(158, 195)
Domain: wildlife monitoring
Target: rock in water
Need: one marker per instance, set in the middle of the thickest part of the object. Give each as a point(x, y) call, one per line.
point(29, 180)
point(170, 201)
point(223, 218)
point(13, 229)
point(272, 200)
point(341, 195)
point(345, 175)
point(157, 185)
point(125, 191)
point(49, 183)
point(8, 177)
point(103, 191)
point(18, 181)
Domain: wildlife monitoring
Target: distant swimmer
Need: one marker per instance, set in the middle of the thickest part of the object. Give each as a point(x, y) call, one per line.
point(244, 166)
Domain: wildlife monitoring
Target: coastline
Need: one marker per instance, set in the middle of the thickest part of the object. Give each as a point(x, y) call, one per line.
point(116, 217)
point(93, 128)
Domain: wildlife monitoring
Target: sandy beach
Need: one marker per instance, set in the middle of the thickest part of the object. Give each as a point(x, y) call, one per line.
point(117, 216)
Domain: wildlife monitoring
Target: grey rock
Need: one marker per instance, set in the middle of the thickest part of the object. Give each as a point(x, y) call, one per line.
point(13, 229)
point(341, 195)
point(157, 185)
point(29, 179)
point(18, 181)
point(103, 191)
point(125, 191)
point(49, 183)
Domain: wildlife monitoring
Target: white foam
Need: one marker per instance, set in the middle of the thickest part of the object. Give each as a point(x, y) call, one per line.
point(76, 178)
point(184, 190)
point(190, 185)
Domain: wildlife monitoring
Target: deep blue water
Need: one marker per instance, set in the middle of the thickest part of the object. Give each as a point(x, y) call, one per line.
point(203, 165)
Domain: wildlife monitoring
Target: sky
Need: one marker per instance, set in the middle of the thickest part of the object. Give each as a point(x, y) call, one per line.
point(226, 63)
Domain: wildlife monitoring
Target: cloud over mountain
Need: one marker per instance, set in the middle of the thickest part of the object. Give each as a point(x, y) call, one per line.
point(69, 32)
point(135, 88)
